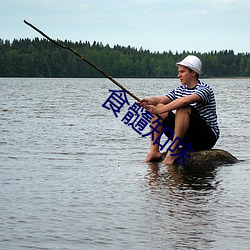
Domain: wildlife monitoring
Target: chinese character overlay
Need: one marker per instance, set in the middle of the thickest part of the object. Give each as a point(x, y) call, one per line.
point(138, 118)
point(182, 153)
point(154, 129)
point(116, 101)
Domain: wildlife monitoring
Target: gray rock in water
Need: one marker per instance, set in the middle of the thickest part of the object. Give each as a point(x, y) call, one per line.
point(208, 157)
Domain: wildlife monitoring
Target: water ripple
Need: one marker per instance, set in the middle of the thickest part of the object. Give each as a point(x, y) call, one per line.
point(72, 175)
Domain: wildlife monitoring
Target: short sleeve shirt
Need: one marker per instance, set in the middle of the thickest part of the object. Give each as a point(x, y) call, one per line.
point(206, 108)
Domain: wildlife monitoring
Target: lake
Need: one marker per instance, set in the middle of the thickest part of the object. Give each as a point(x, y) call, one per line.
point(72, 175)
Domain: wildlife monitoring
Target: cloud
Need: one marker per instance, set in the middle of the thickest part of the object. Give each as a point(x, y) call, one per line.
point(225, 5)
point(221, 2)
point(83, 6)
point(152, 24)
point(149, 2)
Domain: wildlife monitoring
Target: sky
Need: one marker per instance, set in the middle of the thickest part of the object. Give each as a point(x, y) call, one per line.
point(155, 25)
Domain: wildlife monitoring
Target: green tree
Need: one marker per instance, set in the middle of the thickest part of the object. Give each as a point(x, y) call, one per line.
point(247, 69)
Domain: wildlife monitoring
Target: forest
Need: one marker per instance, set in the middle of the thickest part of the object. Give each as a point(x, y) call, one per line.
point(41, 58)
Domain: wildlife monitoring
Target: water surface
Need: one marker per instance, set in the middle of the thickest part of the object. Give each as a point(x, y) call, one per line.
point(72, 175)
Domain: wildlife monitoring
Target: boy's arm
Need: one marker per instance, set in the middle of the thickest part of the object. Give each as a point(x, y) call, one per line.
point(176, 104)
point(154, 100)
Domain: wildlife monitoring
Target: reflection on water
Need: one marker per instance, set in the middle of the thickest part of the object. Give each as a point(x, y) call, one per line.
point(188, 177)
point(190, 204)
point(184, 195)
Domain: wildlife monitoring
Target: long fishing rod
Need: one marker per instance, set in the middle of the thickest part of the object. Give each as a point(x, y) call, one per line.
point(84, 59)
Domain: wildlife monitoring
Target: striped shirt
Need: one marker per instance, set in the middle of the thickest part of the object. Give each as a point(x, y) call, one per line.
point(206, 108)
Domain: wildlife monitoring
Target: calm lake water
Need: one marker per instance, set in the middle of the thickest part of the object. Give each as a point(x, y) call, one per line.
point(72, 175)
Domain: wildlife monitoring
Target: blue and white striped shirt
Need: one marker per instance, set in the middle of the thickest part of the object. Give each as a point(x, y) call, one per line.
point(206, 108)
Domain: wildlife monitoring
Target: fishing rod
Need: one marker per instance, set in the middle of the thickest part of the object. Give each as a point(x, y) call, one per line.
point(84, 59)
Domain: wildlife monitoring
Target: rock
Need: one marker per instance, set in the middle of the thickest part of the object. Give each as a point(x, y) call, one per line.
point(213, 157)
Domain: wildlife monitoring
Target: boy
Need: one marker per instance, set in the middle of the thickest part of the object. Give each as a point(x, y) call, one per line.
point(195, 120)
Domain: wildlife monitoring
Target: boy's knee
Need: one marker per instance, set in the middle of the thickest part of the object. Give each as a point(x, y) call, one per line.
point(184, 110)
point(159, 105)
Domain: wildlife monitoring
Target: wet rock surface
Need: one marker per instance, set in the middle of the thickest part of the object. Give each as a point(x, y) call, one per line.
point(208, 157)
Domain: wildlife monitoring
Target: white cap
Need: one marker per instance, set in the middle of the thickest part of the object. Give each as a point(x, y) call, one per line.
point(191, 62)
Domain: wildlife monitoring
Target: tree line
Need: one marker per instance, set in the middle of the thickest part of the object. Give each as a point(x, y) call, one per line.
point(40, 58)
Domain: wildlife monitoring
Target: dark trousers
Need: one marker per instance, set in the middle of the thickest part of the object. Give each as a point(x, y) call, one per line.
point(199, 133)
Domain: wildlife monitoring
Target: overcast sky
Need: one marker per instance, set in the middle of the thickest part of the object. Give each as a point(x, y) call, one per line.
point(157, 25)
